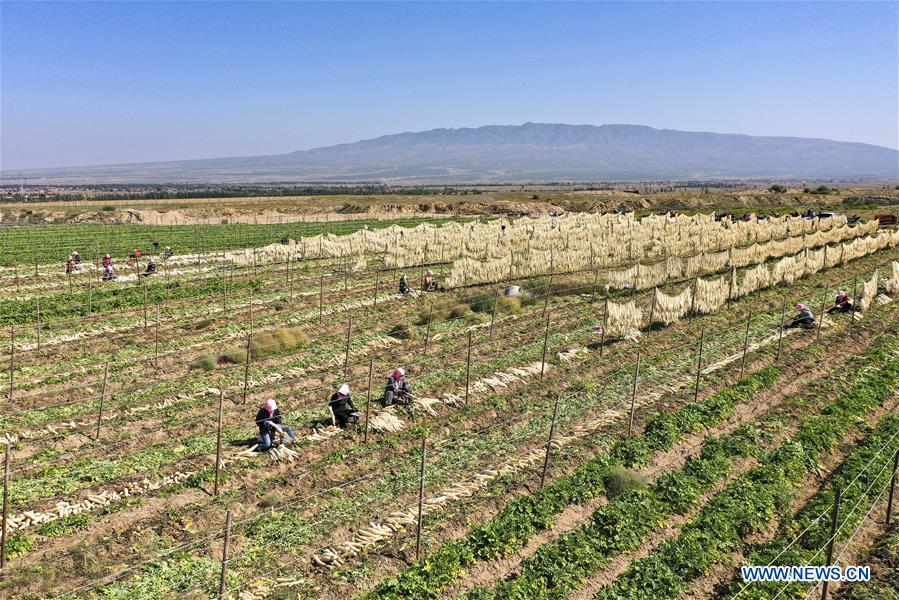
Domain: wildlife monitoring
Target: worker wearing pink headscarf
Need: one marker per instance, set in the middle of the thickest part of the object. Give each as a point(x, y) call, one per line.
point(804, 317)
point(397, 387)
point(342, 407)
point(842, 303)
point(269, 421)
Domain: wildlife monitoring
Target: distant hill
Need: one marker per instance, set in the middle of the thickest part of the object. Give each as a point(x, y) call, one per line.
point(518, 153)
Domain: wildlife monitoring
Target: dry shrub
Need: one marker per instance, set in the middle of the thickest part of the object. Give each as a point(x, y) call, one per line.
point(482, 302)
point(284, 338)
point(206, 362)
point(508, 305)
point(621, 480)
point(402, 331)
point(435, 315)
point(236, 357)
point(203, 324)
point(460, 311)
point(264, 345)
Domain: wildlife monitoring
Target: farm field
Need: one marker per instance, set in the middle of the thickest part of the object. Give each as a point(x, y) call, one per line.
point(605, 406)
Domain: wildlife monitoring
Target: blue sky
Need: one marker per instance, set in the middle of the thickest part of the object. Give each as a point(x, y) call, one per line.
point(97, 83)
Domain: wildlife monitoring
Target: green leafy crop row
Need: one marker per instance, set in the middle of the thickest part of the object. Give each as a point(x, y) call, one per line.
point(526, 516)
point(861, 477)
point(748, 504)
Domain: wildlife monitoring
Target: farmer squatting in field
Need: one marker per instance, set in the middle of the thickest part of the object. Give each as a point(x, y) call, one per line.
point(397, 387)
point(342, 407)
point(269, 421)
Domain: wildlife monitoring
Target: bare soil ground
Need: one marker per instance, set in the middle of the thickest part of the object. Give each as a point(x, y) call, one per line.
point(282, 209)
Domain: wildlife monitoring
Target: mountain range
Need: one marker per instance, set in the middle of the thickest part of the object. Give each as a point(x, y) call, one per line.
point(532, 152)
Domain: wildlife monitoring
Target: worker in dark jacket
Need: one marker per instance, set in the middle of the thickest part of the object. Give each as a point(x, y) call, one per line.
point(269, 421)
point(430, 284)
point(151, 267)
point(842, 303)
point(803, 318)
point(397, 387)
point(404, 285)
point(342, 408)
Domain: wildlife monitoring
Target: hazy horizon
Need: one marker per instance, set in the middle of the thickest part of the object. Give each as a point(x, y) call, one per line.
point(97, 84)
point(11, 172)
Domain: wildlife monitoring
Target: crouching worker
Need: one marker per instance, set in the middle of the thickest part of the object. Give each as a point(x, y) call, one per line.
point(109, 272)
point(151, 268)
point(430, 284)
point(404, 285)
point(342, 409)
point(842, 303)
point(397, 388)
point(804, 318)
point(268, 419)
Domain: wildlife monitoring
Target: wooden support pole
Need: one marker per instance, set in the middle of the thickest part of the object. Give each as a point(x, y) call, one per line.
point(38, 310)
point(428, 329)
point(468, 368)
point(156, 352)
point(652, 309)
point(699, 365)
point(12, 360)
point(377, 285)
point(145, 310)
point(821, 314)
point(630, 421)
point(745, 344)
point(90, 295)
point(780, 336)
point(595, 281)
point(834, 518)
point(102, 399)
point(321, 297)
point(5, 523)
point(693, 298)
point(346, 355)
point(892, 487)
point(602, 334)
point(548, 291)
point(225, 547)
point(545, 344)
point(346, 269)
point(421, 497)
point(250, 307)
point(549, 441)
point(218, 443)
point(246, 372)
point(371, 369)
point(493, 312)
point(290, 278)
